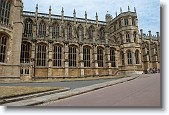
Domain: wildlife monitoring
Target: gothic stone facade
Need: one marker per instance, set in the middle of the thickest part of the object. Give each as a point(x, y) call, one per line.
point(38, 45)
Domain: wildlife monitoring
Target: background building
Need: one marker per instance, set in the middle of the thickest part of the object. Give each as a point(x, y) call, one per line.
point(38, 45)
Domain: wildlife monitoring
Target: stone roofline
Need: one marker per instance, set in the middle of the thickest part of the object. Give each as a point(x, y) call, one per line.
point(59, 17)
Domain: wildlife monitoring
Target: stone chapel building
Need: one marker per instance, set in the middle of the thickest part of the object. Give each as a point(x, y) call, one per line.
point(38, 45)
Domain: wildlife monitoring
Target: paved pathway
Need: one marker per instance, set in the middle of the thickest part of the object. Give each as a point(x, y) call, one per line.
point(141, 92)
point(69, 84)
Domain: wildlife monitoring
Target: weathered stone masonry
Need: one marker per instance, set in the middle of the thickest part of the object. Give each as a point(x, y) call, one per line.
point(37, 45)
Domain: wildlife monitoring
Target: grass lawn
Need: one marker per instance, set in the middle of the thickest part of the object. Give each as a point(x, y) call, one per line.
point(6, 91)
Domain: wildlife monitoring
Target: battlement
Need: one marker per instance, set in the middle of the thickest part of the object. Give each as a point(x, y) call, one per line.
point(109, 17)
point(149, 36)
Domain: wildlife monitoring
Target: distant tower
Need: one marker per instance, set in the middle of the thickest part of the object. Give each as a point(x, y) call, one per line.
point(120, 10)
point(50, 13)
point(108, 17)
point(36, 13)
point(97, 19)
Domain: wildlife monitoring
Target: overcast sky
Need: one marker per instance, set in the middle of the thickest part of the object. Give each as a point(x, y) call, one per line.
point(148, 11)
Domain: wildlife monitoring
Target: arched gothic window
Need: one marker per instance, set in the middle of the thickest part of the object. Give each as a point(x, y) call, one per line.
point(102, 34)
point(25, 53)
point(55, 30)
point(126, 22)
point(121, 38)
point(42, 29)
point(57, 56)
point(69, 31)
point(137, 56)
point(72, 56)
point(41, 55)
point(112, 57)
point(5, 11)
point(28, 28)
point(80, 32)
point(86, 56)
point(122, 57)
point(3, 40)
point(148, 51)
point(133, 21)
point(134, 35)
point(91, 32)
point(100, 57)
point(129, 56)
point(128, 40)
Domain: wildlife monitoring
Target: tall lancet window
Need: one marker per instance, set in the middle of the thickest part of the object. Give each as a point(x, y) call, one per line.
point(86, 56)
point(42, 29)
point(137, 56)
point(100, 57)
point(129, 56)
point(3, 40)
point(91, 32)
point(112, 57)
point(4, 11)
point(80, 32)
point(28, 28)
point(72, 56)
point(102, 34)
point(69, 31)
point(25, 53)
point(55, 30)
point(41, 55)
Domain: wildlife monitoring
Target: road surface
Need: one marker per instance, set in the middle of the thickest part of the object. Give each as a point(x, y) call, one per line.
point(141, 92)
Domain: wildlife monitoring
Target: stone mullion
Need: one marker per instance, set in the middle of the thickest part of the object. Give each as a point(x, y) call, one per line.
point(33, 58)
point(95, 33)
point(124, 37)
point(137, 38)
point(131, 36)
point(34, 31)
point(108, 60)
point(81, 61)
point(133, 56)
point(66, 60)
point(140, 58)
point(66, 34)
point(47, 32)
point(95, 60)
point(50, 62)
point(125, 58)
point(60, 31)
point(117, 57)
point(50, 32)
point(130, 20)
point(8, 53)
point(85, 29)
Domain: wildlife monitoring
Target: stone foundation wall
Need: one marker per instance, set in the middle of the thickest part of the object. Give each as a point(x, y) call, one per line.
point(58, 72)
point(9, 71)
point(74, 72)
point(41, 72)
